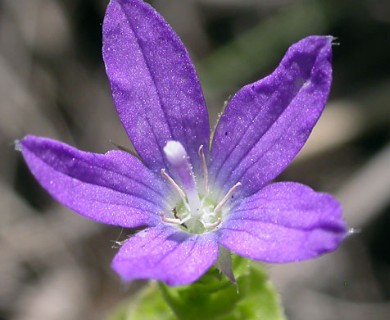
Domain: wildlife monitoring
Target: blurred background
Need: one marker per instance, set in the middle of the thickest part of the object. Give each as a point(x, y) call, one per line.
point(55, 265)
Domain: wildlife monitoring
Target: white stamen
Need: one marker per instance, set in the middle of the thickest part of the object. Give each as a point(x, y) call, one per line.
point(226, 197)
point(213, 225)
point(174, 185)
point(170, 220)
point(205, 171)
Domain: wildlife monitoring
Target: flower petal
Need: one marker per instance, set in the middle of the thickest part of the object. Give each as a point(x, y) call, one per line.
point(114, 188)
point(266, 123)
point(284, 222)
point(154, 85)
point(166, 254)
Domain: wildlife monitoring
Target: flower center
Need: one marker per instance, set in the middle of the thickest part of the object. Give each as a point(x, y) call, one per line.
point(196, 211)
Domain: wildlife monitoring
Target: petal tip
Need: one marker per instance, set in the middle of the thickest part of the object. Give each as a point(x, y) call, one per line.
point(315, 43)
point(25, 143)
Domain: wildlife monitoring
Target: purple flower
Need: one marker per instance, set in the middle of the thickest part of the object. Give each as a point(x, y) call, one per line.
point(195, 199)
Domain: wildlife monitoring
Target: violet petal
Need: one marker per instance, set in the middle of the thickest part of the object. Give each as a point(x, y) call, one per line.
point(266, 123)
point(284, 222)
point(114, 188)
point(166, 254)
point(154, 84)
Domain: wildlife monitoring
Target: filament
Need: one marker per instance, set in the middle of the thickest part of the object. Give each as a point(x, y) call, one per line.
point(226, 197)
point(205, 171)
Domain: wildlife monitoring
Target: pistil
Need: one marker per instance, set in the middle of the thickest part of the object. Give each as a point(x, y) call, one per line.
point(178, 158)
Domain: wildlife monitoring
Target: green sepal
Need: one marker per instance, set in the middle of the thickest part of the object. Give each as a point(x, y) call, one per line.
point(212, 297)
point(215, 297)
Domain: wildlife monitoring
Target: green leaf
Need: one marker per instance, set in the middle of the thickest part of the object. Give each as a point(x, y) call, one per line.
point(215, 297)
point(148, 305)
point(258, 299)
point(211, 297)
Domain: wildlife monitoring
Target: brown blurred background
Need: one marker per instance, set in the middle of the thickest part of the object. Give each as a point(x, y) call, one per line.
point(55, 265)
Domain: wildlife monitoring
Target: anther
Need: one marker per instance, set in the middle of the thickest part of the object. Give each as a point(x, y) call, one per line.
point(226, 197)
point(174, 185)
point(205, 171)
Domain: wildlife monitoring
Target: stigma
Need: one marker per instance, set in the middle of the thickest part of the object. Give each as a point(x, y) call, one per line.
point(196, 210)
